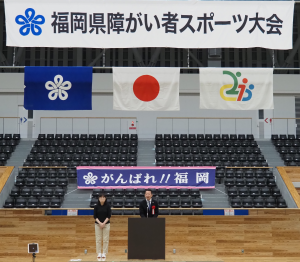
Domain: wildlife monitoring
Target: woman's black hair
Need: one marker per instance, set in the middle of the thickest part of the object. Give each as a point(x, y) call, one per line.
point(102, 195)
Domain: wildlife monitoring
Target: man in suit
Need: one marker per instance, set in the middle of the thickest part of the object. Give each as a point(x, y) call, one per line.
point(148, 207)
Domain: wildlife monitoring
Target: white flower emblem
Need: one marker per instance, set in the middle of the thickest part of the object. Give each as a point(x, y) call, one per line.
point(58, 88)
point(90, 179)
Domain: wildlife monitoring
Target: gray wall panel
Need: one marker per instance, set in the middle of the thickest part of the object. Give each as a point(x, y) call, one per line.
point(196, 126)
point(284, 107)
point(227, 126)
point(212, 126)
point(243, 126)
point(81, 125)
point(96, 126)
point(180, 126)
point(64, 126)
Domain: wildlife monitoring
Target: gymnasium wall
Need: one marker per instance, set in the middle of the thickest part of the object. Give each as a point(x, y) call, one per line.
point(285, 89)
point(263, 235)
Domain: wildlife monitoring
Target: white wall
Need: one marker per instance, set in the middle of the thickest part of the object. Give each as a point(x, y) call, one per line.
point(284, 108)
point(148, 125)
point(9, 108)
point(11, 95)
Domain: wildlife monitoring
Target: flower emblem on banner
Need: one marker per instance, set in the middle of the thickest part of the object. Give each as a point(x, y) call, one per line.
point(58, 88)
point(30, 22)
point(90, 179)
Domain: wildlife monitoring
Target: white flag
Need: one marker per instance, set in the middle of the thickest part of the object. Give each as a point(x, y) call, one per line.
point(236, 88)
point(146, 89)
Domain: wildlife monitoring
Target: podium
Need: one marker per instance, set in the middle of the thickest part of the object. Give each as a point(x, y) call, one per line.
point(146, 238)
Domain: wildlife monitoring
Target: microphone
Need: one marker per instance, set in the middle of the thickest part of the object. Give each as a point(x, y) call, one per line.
point(147, 207)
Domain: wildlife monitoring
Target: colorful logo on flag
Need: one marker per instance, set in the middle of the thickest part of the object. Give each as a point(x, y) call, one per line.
point(236, 91)
point(146, 88)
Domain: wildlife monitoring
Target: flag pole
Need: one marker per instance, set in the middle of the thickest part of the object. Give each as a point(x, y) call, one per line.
point(14, 57)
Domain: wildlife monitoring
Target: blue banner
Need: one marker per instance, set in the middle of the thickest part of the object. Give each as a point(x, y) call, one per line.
point(58, 88)
point(145, 177)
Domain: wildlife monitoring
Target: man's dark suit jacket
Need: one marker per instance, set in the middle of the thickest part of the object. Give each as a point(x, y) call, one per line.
point(143, 209)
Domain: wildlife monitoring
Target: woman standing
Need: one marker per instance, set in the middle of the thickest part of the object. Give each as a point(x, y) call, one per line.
point(102, 214)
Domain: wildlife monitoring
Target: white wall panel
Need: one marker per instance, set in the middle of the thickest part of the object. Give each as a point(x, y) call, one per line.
point(196, 126)
point(146, 127)
point(228, 126)
point(81, 125)
point(48, 126)
point(212, 126)
point(180, 126)
point(243, 126)
point(65, 126)
point(284, 107)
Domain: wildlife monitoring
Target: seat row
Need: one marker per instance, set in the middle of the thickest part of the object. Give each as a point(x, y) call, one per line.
point(4, 157)
point(205, 150)
point(287, 144)
point(162, 212)
point(140, 192)
point(215, 157)
point(9, 143)
point(38, 192)
point(88, 143)
point(204, 143)
point(90, 137)
point(258, 202)
point(86, 150)
point(211, 163)
point(284, 137)
point(191, 137)
point(244, 174)
point(293, 163)
point(255, 191)
point(41, 182)
point(33, 202)
point(8, 137)
point(77, 163)
point(47, 170)
point(170, 202)
point(250, 182)
point(287, 158)
point(81, 157)
point(288, 150)
point(51, 174)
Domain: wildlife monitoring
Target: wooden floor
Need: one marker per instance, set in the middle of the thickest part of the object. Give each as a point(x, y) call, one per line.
point(169, 258)
point(5, 172)
point(184, 257)
point(293, 173)
point(264, 235)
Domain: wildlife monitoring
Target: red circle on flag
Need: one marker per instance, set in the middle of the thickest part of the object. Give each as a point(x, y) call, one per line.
point(146, 88)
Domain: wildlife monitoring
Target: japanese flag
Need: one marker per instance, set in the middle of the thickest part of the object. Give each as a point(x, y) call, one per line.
point(146, 89)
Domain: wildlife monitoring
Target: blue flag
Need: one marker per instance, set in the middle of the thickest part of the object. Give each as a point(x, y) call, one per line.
point(58, 88)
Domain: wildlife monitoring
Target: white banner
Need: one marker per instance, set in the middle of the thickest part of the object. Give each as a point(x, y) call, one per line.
point(146, 89)
point(128, 24)
point(236, 88)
